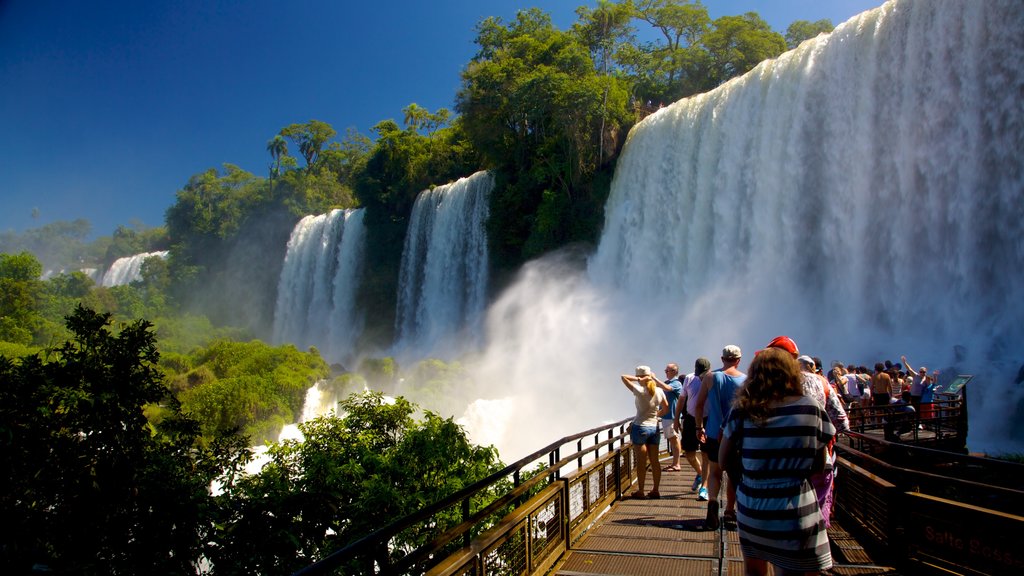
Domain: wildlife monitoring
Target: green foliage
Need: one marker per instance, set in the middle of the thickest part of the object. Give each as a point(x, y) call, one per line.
point(310, 138)
point(12, 350)
point(89, 485)
point(801, 30)
point(380, 373)
point(738, 43)
point(348, 476)
point(537, 110)
point(20, 291)
point(246, 386)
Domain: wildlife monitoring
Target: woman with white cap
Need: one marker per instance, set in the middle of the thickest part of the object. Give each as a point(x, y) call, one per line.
point(644, 432)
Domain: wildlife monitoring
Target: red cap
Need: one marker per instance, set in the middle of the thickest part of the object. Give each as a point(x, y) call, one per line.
point(785, 343)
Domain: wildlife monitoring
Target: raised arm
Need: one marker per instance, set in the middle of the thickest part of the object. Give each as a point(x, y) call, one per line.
point(630, 381)
point(906, 366)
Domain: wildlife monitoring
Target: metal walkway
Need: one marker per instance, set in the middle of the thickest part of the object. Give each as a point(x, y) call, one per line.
point(666, 536)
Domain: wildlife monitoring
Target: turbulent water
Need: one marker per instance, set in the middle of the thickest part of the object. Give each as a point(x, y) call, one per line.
point(128, 269)
point(316, 295)
point(861, 194)
point(443, 279)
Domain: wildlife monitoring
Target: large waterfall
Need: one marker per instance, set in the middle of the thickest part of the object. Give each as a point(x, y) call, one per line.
point(316, 296)
point(862, 194)
point(443, 278)
point(128, 269)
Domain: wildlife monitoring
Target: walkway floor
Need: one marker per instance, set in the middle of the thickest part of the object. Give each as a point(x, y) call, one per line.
point(667, 536)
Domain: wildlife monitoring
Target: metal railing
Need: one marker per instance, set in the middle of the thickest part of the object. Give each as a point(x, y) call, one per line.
point(940, 511)
point(523, 527)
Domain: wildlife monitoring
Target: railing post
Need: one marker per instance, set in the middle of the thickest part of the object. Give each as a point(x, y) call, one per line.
point(579, 450)
point(465, 518)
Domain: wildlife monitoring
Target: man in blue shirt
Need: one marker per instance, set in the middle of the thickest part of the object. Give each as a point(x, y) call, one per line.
point(673, 388)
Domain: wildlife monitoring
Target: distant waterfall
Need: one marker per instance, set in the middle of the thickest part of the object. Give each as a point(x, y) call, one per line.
point(863, 193)
point(319, 280)
point(128, 269)
point(443, 279)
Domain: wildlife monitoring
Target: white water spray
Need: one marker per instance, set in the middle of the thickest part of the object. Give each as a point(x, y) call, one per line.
point(861, 194)
point(443, 278)
point(316, 296)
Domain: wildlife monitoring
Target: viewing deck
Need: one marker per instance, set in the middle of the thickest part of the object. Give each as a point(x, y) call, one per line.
point(667, 536)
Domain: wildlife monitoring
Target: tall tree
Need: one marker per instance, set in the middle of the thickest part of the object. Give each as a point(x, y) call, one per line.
point(310, 138)
point(678, 63)
point(278, 148)
point(738, 43)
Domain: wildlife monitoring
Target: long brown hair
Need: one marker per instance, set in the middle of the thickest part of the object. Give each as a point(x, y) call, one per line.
point(774, 374)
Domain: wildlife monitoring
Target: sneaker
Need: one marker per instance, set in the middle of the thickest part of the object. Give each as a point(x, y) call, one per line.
point(702, 494)
point(696, 482)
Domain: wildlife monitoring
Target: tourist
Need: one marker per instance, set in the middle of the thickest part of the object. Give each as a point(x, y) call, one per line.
point(717, 391)
point(651, 405)
point(881, 386)
point(687, 412)
point(672, 389)
point(778, 516)
point(920, 380)
point(816, 388)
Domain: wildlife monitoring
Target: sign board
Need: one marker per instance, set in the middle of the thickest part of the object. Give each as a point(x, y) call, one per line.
point(954, 386)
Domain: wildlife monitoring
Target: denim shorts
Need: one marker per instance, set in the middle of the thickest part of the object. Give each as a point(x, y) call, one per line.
point(640, 435)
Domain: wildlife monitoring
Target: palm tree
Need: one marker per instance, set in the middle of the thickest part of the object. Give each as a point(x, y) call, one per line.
point(278, 147)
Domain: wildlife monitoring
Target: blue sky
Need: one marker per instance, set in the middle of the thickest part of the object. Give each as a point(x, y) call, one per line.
point(107, 107)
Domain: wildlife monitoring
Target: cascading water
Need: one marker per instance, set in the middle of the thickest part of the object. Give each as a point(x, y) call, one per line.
point(316, 294)
point(128, 269)
point(861, 193)
point(443, 279)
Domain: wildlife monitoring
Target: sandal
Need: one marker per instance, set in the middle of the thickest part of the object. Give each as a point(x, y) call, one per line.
point(729, 517)
point(653, 495)
point(637, 494)
point(671, 469)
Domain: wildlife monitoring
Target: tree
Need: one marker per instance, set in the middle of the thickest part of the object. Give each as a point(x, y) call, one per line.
point(278, 148)
point(90, 486)
point(535, 108)
point(20, 292)
point(348, 474)
point(310, 138)
point(738, 43)
point(801, 30)
point(677, 65)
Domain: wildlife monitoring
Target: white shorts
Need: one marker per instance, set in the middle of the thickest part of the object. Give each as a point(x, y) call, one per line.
point(668, 428)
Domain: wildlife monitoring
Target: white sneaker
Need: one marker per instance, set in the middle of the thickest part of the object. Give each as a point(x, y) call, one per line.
point(702, 494)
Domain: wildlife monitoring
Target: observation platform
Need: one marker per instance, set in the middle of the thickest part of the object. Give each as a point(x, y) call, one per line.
point(667, 536)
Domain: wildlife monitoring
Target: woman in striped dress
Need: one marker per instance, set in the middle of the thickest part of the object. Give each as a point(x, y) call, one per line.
point(780, 431)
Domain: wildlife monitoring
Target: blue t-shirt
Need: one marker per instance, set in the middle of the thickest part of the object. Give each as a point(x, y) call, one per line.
point(673, 397)
point(719, 401)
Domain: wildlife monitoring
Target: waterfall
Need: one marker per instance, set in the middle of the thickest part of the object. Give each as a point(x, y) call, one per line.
point(443, 278)
point(319, 280)
point(861, 194)
point(128, 269)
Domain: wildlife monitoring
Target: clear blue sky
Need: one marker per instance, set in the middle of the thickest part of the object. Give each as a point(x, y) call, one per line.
point(107, 107)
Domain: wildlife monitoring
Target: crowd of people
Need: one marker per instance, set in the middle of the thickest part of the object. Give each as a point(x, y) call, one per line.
point(763, 441)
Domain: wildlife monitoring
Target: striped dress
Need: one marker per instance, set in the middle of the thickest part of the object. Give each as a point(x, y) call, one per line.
point(777, 511)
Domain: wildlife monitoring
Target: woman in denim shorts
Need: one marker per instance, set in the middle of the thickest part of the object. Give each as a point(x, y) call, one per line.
point(644, 432)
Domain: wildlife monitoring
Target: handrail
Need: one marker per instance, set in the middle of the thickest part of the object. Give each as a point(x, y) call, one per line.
point(911, 479)
point(384, 534)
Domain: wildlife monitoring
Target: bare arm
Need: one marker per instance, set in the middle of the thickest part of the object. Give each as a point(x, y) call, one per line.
point(906, 366)
point(628, 380)
point(702, 397)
